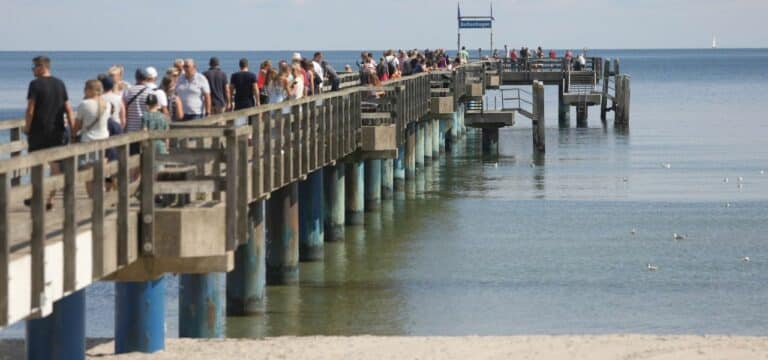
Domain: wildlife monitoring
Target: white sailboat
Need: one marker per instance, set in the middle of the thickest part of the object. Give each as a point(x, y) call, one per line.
point(714, 42)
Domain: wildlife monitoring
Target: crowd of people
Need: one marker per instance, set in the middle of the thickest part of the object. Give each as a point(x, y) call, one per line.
point(522, 60)
point(111, 105)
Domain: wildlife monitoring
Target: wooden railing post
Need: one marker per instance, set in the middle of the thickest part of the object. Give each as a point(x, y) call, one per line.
point(37, 245)
point(231, 210)
point(97, 216)
point(70, 223)
point(147, 198)
point(123, 203)
point(257, 168)
point(5, 242)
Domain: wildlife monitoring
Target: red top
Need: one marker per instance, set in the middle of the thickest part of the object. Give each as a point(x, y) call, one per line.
point(552, 54)
point(513, 55)
point(260, 81)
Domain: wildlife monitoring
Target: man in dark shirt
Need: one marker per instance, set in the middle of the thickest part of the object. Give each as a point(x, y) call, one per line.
point(244, 87)
point(219, 89)
point(47, 103)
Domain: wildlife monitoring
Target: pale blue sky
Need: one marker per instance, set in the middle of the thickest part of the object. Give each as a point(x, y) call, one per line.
point(379, 24)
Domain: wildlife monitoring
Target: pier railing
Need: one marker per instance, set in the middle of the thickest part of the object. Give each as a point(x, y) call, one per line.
point(228, 160)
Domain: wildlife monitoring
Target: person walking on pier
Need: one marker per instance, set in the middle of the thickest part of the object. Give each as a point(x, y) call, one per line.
point(464, 55)
point(194, 91)
point(135, 104)
point(331, 74)
point(175, 111)
point(92, 122)
point(217, 80)
point(47, 105)
point(317, 60)
point(244, 88)
point(264, 69)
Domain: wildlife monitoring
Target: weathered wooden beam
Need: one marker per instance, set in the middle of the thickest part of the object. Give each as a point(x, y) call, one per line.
point(70, 223)
point(123, 203)
point(147, 198)
point(231, 210)
point(97, 216)
point(5, 242)
point(37, 244)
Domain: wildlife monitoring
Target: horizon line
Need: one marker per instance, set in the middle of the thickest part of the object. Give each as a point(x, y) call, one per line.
point(359, 49)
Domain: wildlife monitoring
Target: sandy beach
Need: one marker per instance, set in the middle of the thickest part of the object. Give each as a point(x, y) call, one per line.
point(466, 347)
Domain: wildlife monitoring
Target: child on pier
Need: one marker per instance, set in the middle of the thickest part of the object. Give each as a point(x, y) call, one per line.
point(154, 120)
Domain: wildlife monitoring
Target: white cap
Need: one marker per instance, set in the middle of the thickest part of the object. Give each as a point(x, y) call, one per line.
point(297, 56)
point(151, 72)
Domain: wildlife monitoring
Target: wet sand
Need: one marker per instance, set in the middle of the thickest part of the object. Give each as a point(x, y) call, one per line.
point(466, 347)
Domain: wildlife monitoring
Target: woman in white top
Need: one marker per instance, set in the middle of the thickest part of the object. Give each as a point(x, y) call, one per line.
point(91, 122)
point(297, 86)
point(93, 113)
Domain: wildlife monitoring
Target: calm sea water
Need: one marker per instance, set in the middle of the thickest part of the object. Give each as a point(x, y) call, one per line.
point(496, 246)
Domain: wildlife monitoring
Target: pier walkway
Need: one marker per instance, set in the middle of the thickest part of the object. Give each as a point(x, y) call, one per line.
point(249, 193)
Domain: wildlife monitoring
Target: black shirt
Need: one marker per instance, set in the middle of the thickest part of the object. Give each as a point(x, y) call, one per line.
point(217, 79)
point(243, 82)
point(50, 96)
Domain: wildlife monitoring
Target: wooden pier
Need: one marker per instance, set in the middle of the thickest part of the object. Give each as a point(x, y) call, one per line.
point(203, 208)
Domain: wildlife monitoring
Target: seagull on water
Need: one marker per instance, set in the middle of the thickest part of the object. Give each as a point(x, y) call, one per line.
point(651, 267)
point(666, 165)
point(676, 236)
point(740, 179)
point(633, 231)
point(745, 259)
point(725, 180)
point(727, 205)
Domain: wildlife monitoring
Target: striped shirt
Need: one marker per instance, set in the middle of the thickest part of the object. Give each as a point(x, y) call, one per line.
point(137, 108)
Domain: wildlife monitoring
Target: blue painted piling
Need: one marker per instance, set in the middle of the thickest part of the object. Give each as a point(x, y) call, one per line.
point(490, 141)
point(311, 218)
point(60, 335)
point(387, 179)
point(334, 202)
point(140, 316)
point(355, 193)
point(201, 307)
point(442, 139)
point(410, 152)
point(372, 184)
point(420, 145)
point(245, 283)
point(435, 139)
point(283, 236)
point(427, 127)
point(398, 171)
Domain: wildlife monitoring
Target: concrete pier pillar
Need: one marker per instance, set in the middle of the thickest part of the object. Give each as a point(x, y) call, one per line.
point(410, 152)
point(60, 335)
point(455, 126)
point(201, 306)
point(420, 145)
point(435, 139)
point(442, 129)
point(311, 218)
point(490, 141)
point(462, 125)
point(355, 197)
point(399, 169)
point(334, 202)
point(582, 113)
point(245, 283)
point(140, 316)
point(387, 179)
point(564, 110)
point(427, 127)
point(283, 236)
point(372, 184)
